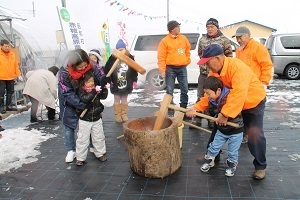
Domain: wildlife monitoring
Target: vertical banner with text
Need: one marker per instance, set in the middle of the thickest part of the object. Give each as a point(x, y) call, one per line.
point(106, 41)
point(72, 30)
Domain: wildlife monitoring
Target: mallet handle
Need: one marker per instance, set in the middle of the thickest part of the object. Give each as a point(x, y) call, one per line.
point(201, 115)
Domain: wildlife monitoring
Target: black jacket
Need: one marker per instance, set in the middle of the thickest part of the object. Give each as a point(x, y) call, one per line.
point(122, 78)
point(95, 112)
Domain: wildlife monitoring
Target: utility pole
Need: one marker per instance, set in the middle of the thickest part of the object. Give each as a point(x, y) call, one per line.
point(168, 3)
point(33, 11)
point(63, 3)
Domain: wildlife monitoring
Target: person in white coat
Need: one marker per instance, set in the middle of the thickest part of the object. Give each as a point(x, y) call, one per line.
point(41, 87)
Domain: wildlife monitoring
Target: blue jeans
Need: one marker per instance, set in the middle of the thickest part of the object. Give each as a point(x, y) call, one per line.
point(181, 74)
point(70, 138)
point(253, 127)
point(234, 143)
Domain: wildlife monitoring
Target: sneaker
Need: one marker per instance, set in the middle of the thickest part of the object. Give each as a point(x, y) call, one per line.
point(209, 162)
point(259, 174)
point(231, 168)
point(102, 158)
point(79, 163)
point(92, 150)
point(70, 156)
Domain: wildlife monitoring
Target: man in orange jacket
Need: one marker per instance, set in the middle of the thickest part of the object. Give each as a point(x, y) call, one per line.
point(173, 56)
point(255, 55)
point(9, 70)
point(247, 95)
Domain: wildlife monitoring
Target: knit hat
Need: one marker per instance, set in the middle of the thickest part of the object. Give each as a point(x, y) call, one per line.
point(96, 53)
point(241, 31)
point(172, 24)
point(213, 21)
point(53, 69)
point(120, 44)
point(209, 52)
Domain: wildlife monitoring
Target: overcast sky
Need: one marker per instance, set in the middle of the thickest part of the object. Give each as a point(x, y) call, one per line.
point(283, 16)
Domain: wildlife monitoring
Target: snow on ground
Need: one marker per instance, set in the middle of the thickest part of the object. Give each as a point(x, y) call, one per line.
point(19, 146)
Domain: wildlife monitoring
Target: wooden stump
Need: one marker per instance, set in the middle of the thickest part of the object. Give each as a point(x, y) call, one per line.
point(152, 153)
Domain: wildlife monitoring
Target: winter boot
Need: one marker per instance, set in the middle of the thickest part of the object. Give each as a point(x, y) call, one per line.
point(1, 129)
point(124, 112)
point(117, 109)
point(231, 168)
point(209, 162)
point(8, 103)
point(2, 108)
point(51, 113)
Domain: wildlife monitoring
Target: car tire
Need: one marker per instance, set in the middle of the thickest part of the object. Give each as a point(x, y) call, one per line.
point(155, 80)
point(292, 72)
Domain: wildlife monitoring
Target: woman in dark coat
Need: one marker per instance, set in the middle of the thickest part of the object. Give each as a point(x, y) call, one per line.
point(76, 65)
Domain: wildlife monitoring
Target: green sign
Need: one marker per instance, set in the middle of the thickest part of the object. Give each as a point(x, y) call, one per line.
point(65, 15)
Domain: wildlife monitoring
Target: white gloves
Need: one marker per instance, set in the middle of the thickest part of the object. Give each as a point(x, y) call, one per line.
point(20, 78)
point(98, 88)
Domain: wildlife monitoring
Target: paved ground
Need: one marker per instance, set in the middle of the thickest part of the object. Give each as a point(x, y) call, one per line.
point(51, 178)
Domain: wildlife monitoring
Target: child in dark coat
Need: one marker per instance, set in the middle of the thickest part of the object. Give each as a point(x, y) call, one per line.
point(91, 123)
point(123, 80)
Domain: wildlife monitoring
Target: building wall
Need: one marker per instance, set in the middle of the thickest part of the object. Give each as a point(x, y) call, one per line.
point(256, 30)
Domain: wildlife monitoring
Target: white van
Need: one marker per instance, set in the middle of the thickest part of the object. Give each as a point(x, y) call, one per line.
point(144, 49)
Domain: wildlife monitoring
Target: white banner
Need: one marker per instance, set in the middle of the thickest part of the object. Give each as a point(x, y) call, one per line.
point(73, 33)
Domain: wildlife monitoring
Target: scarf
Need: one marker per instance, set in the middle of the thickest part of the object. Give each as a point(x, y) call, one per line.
point(77, 74)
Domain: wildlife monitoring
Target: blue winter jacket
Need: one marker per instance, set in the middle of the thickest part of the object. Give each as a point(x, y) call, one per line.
point(69, 100)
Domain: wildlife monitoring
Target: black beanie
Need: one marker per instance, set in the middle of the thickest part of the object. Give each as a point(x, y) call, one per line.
point(53, 69)
point(213, 21)
point(172, 24)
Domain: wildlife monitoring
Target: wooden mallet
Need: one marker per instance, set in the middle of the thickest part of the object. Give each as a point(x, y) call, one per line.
point(178, 115)
point(201, 115)
point(162, 111)
point(112, 69)
point(131, 63)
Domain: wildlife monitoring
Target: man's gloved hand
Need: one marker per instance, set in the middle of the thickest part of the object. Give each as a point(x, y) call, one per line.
point(98, 88)
point(134, 85)
point(20, 78)
point(89, 106)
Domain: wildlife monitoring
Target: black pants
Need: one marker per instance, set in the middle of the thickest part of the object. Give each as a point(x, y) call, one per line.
point(253, 127)
point(9, 86)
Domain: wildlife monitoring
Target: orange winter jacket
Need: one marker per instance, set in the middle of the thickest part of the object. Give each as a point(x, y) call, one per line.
point(257, 57)
point(246, 91)
point(173, 51)
point(9, 68)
